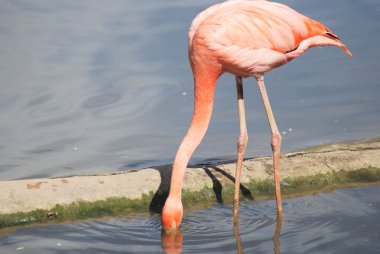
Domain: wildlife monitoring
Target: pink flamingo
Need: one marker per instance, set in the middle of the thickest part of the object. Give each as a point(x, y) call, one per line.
point(246, 38)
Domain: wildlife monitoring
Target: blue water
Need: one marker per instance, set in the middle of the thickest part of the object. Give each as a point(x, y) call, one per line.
point(100, 86)
point(344, 221)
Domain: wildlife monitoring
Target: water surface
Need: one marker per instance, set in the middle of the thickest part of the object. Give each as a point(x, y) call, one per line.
point(94, 86)
point(344, 221)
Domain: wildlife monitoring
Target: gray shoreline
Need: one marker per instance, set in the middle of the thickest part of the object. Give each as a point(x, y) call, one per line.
point(23, 196)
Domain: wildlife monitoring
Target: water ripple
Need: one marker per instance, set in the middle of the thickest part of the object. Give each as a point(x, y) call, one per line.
point(309, 225)
point(108, 72)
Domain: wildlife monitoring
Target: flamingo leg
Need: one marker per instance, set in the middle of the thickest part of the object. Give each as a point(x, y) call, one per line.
point(239, 244)
point(241, 142)
point(277, 232)
point(276, 141)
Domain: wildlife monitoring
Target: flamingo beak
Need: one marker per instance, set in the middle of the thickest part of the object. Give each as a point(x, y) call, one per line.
point(332, 36)
point(345, 49)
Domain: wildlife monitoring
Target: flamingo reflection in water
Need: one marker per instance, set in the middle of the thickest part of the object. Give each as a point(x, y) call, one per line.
point(172, 241)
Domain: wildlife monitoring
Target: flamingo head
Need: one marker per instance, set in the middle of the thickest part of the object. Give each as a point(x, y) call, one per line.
point(330, 39)
point(320, 38)
point(172, 214)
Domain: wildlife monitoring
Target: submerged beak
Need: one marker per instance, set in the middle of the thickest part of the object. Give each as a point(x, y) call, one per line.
point(345, 49)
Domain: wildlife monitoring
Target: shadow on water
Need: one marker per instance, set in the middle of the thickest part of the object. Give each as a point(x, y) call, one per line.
point(165, 171)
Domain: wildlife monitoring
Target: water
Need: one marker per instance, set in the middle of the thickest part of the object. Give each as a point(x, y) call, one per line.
point(100, 86)
point(344, 221)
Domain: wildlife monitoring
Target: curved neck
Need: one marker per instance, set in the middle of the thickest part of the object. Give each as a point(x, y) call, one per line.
point(204, 87)
point(304, 45)
point(315, 41)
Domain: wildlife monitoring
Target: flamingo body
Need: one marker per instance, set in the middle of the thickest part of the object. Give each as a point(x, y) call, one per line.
point(246, 38)
point(252, 37)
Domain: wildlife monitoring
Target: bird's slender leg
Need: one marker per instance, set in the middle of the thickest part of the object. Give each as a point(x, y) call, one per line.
point(277, 232)
point(239, 244)
point(276, 141)
point(241, 142)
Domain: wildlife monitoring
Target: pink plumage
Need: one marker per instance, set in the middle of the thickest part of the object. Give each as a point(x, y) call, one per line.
point(245, 38)
point(253, 37)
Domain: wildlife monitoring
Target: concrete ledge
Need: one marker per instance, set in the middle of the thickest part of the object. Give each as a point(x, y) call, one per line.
point(57, 199)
